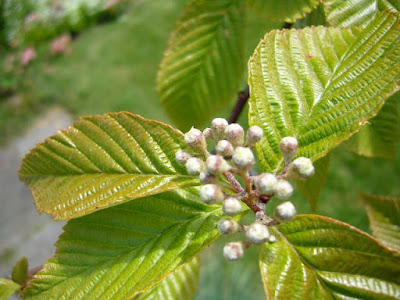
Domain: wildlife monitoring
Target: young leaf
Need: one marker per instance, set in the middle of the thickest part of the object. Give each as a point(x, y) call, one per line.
point(311, 188)
point(103, 161)
point(7, 288)
point(320, 258)
point(202, 67)
point(321, 85)
point(347, 13)
point(283, 10)
point(180, 285)
point(20, 271)
point(119, 252)
point(383, 214)
point(379, 137)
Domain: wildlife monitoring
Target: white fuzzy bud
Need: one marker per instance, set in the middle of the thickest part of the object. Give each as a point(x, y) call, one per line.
point(232, 206)
point(254, 135)
point(211, 193)
point(257, 233)
point(243, 158)
point(289, 147)
point(227, 226)
point(266, 183)
point(181, 156)
point(208, 133)
point(272, 239)
point(285, 211)
point(218, 126)
point(195, 139)
point(216, 164)
point(233, 251)
point(194, 166)
point(283, 189)
point(206, 177)
point(235, 134)
point(301, 167)
point(224, 148)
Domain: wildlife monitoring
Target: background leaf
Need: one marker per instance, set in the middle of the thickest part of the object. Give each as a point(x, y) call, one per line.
point(102, 161)
point(311, 188)
point(321, 85)
point(283, 10)
point(124, 250)
point(180, 285)
point(315, 17)
point(20, 271)
point(347, 13)
point(202, 67)
point(320, 258)
point(379, 137)
point(383, 213)
point(7, 288)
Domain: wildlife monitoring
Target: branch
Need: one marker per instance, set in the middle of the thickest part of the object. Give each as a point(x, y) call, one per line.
point(240, 103)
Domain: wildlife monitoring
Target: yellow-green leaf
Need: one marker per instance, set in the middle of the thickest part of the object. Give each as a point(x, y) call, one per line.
point(320, 258)
point(283, 10)
point(20, 271)
point(203, 65)
point(321, 85)
point(7, 288)
point(384, 218)
point(103, 161)
point(179, 285)
point(124, 250)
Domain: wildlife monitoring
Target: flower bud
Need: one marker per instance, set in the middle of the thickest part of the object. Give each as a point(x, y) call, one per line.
point(232, 206)
point(194, 166)
point(218, 126)
point(211, 193)
point(266, 183)
point(194, 138)
point(227, 226)
point(208, 133)
point(216, 164)
point(206, 177)
point(301, 167)
point(224, 148)
point(257, 233)
point(181, 156)
point(289, 147)
point(285, 211)
point(233, 251)
point(254, 135)
point(272, 239)
point(283, 189)
point(243, 158)
point(235, 134)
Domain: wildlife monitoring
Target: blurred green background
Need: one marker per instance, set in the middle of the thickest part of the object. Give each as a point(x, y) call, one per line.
point(112, 66)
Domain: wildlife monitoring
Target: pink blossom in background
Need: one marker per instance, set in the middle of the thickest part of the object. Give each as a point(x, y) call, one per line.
point(28, 55)
point(60, 45)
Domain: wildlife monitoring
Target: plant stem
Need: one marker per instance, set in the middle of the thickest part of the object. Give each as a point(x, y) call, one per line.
point(240, 103)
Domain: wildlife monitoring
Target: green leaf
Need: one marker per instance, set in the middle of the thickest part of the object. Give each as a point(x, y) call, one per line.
point(379, 137)
point(7, 288)
point(383, 213)
point(202, 67)
point(119, 252)
point(103, 161)
point(20, 271)
point(283, 10)
point(347, 13)
point(315, 17)
point(312, 187)
point(321, 85)
point(181, 284)
point(320, 258)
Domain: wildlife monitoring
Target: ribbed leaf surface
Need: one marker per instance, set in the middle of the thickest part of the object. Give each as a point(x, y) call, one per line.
point(283, 10)
point(320, 258)
point(379, 137)
point(7, 288)
point(203, 65)
point(102, 161)
point(311, 188)
point(180, 285)
point(124, 250)
point(321, 85)
point(383, 213)
point(347, 13)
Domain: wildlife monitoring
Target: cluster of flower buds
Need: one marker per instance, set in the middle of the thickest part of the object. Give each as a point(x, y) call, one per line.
point(234, 155)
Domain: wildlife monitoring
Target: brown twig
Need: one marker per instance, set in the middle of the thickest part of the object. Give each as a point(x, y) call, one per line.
point(240, 103)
